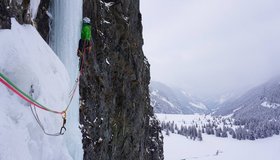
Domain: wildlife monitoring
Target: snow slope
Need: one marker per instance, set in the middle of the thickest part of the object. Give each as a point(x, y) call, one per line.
point(262, 100)
point(26, 59)
point(177, 147)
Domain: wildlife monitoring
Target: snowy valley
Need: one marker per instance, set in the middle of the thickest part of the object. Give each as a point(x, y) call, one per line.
point(246, 127)
point(178, 147)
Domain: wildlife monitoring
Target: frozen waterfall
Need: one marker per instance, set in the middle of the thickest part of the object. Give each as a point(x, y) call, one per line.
point(64, 37)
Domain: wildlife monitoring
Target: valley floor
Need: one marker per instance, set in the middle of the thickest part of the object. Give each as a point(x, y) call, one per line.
point(177, 147)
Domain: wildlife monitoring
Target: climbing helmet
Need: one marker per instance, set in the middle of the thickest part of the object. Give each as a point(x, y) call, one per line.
point(86, 20)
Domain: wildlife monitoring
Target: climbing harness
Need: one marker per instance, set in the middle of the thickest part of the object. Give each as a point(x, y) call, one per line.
point(34, 104)
point(82, 57)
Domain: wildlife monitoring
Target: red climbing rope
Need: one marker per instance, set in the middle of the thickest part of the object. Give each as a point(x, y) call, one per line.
point(16, 91)
point(10, 85)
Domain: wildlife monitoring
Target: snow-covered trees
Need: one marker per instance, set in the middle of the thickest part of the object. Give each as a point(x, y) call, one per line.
point(191, 132)
point(199, 136)
point(240, 129)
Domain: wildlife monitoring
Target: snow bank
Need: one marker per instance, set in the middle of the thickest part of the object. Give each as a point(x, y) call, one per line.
point(26, 59)
point(177, 147)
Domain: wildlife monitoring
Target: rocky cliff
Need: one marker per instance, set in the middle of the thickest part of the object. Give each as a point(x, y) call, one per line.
point(5, 20)
point(116, 118)
point(20, 9)
point(42, 20)
point(13, 8)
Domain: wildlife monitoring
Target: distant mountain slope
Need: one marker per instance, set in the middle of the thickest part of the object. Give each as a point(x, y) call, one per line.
point(169, 100)
point(257, 102)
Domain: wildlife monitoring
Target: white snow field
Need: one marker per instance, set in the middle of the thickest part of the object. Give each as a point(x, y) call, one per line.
point(177, 147)
point(26, 59)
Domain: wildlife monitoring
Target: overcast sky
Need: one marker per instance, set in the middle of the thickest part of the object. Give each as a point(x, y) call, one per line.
point(209, 47)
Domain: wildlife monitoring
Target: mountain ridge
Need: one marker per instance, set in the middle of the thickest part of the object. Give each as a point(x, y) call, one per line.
point(260, 98)
point(165, 99)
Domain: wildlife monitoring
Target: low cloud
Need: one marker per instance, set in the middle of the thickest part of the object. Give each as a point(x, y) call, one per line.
point(212, 47)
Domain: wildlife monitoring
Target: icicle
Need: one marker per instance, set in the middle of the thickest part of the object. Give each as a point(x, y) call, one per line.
point(64, 38)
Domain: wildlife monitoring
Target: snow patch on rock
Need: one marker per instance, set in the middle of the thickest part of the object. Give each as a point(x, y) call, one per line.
point(270, 105)
point(198, 105)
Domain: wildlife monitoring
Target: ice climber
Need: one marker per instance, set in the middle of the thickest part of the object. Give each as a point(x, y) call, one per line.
point(85, 43)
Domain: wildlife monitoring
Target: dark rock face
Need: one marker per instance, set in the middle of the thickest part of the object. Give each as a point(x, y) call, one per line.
point(42, 19)
point(13, 8)
point(117, 121)
point(5, 20)
point(21, 11)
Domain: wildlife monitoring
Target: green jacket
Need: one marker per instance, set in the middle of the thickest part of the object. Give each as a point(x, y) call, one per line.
point(86, 32)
